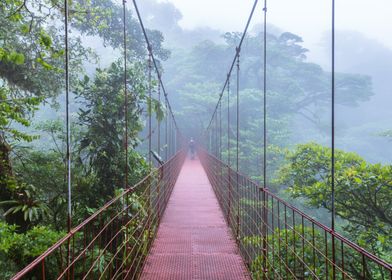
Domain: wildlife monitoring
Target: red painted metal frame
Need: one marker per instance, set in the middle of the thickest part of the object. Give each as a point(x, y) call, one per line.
point(298, 247)
point(114, 241)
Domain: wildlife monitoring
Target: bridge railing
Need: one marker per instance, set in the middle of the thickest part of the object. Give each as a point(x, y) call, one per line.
point(278, 241)
point(114, 241)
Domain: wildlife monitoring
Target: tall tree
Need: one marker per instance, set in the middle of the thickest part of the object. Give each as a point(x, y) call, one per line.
point(32, 65)
point(102, 118)
point(362, 192)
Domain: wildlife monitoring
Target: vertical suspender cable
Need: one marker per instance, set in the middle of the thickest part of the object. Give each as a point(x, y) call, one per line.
point(159, 121)
point(233, 62)
point(149, 106)
point(170, 138)
point(220, 145)
point(166, 132)
point(159, 152)
point(333, 119)
point(228, 121)
point(264, 225)
point(211, 139)
point(149, 129)
point(213, 131)
point(68, 132)
point(220, 130)
point(154, 62)
point(238, 141)
point(238, 111)
point(125, 202)
point(333, 139)
point(175, 140)
point(125, 94)
point(67, 120)
point(216, 135)
point(265, 98)
point(213, 136)
point(228, 148)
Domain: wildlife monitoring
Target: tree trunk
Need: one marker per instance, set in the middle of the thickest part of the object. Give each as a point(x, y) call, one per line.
point(7, 182)
point(6, 174)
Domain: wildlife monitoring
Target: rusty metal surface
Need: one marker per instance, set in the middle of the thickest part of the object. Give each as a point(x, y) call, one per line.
point(193, 240)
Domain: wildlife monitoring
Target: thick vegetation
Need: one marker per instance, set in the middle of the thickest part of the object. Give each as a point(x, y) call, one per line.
point(32, 164)
point(362, 196)
point(298, 102)
point(32, 156)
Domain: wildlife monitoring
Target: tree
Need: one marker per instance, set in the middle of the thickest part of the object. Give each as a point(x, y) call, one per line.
point(32, 63)
point(29, 73)
point(298, 93)
point(303, 86)
point(362, 192)
point(104, 19)
point(101, 149)
point(19, 249)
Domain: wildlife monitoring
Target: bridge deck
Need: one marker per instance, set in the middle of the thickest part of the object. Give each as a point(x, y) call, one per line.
point(193, 240)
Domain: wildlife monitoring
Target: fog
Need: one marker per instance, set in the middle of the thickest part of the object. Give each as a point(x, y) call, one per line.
point(113, 124)
point(362, 47)
point(200, 59)
point(309, 18)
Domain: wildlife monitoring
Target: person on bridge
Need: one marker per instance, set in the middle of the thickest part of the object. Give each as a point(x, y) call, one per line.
point(192, 148)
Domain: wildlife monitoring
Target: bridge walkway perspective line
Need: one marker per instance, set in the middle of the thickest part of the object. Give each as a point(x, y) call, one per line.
point(193, 239)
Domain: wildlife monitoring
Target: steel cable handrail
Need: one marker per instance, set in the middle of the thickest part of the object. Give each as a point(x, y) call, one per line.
point(95, 235)
point(291, 232)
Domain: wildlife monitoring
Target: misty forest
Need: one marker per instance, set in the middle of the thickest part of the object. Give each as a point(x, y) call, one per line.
point(98, 120)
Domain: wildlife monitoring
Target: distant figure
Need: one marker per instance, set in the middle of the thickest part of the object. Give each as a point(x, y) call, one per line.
point(192, 148)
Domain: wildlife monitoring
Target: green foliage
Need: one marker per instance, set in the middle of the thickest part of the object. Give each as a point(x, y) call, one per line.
point(32, 182)
point(13, 57)
point(301, 252)
point(31, 51)
point(102, 144)
point(26, 202)
point(289, 253)
point(15, 110)
point(298, 95)
point(9, 238)
point(104, 20)
point(303, 87)
point(362, 191)
point(31, 73)
point(32, 46)
point(17, 250)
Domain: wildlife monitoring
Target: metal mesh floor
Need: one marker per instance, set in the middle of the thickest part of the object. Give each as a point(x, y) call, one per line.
point(193, 240)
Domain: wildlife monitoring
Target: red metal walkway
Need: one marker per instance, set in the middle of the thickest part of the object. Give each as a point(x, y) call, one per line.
point(193, 240)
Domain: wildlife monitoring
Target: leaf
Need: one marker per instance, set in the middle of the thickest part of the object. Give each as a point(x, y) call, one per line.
point(45, 40)
point(5, 202)
point(25, 28)
point(44, 64)
point(358, 180)
point(35, 213)
point(3, 54)
point(17, 58)
point(8, 211)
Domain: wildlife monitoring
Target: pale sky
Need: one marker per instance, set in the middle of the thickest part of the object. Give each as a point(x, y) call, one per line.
point(307, 18)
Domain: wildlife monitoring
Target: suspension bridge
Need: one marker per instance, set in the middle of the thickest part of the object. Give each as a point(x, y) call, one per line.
point(201, 218)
